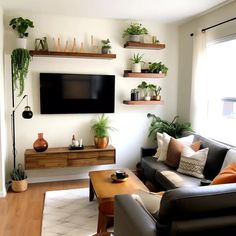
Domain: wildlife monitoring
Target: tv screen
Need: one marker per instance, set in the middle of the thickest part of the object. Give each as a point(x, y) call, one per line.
point(76, 93)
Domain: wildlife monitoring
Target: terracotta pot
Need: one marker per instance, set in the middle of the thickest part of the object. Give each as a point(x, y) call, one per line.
point(101, 142)
point(19, 185)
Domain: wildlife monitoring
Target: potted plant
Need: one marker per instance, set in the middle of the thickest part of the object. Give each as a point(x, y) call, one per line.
point(106, 46)
point(19, 179)
point(144, 89)
point(101, 127)
point(157, 68)
point(134, 31)
point(136, 65)
point(20, 59)
point(156, 91)
point(21, 25)
point(173, 128)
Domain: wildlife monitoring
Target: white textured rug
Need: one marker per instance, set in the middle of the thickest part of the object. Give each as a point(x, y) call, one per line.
point(69, 213)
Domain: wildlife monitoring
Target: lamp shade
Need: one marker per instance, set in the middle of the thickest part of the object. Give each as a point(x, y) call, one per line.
point(27, 113)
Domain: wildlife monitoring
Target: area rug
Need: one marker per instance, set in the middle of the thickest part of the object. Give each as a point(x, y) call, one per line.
point(69, 213)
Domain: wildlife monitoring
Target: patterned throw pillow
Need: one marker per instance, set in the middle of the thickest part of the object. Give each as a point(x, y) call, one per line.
point(174, 152)
point(192, 163)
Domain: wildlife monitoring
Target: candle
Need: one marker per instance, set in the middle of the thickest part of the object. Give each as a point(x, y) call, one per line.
point(80, 143)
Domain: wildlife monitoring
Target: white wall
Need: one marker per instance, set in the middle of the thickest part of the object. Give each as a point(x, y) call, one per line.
point(186, 47)
point(2, 114)
point(130, 121)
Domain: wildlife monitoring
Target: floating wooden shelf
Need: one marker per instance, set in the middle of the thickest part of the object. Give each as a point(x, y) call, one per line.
point(152, 102)
point(153, 46)
point(143, 74)
point(72, 54)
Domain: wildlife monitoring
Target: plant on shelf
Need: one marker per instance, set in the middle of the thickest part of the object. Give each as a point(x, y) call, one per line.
point(156, 91)
point(145, 89)
point(136, 63)
point(21, 26)
point(157, 68)
point(20, 59)
point(101, 127)
point(19, 179)
point(106, 46)
point(173, 128)
point(134, 31)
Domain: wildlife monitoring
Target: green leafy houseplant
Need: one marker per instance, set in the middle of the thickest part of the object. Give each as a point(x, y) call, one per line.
point(21, 25)
point(101, 127)
point(20, 59)
point(173, 128)
point(106, 44)
point(157, 68)
point(135, 29)
point(137, 58)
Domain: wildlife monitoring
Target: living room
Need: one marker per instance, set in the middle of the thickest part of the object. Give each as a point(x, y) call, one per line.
point(130, 121)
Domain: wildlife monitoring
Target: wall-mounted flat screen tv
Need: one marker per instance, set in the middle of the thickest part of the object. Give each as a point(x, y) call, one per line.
point(76, 93)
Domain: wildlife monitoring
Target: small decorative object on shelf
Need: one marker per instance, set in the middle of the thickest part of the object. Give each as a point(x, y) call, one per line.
point(41, 44)
point(81, 47)
point(74, 47)
point(134, 31)
point(94, 48)
point(76, 144)
point(106, 46)
point(57, 45)
point(40, 144)
point(134, 94)
point(156, 90)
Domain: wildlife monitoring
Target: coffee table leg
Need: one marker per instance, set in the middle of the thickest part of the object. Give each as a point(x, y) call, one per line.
point(91, 191)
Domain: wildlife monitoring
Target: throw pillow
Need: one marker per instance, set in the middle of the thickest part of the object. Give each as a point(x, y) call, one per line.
point(192, 163)
point(149, 200)
point(166, 139)
point(227, 175)
point(229, 158)
point(174, 152)
point(159, 144)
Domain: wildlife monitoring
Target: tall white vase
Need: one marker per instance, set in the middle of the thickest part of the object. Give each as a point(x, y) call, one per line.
point(136, 67)
point(21, 43)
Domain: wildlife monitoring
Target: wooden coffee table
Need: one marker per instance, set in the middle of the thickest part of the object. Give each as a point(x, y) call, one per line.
point(105, 189)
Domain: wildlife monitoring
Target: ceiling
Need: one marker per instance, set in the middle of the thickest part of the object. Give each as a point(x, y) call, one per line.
point(164, 11)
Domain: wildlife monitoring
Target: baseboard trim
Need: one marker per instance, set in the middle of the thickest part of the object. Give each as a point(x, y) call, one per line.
point(56, 178)
point(3, 194)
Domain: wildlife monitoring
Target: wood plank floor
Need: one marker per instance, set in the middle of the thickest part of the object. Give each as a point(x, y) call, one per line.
point(21, 213)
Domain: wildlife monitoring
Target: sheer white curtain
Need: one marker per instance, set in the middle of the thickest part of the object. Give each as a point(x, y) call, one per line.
point(200, 87)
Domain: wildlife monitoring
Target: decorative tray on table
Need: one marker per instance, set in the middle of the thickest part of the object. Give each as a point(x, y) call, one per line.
point(116, 180)
point(75, 147)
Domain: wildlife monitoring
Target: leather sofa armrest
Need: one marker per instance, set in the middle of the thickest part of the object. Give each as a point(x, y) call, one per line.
point(147, 152)
point(131, 218)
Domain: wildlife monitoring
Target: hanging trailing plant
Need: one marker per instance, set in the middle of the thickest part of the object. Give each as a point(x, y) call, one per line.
point(20, 59)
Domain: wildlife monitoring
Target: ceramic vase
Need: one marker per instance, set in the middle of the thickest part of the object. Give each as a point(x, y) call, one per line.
point(101, 142)
point(136, 67)
point(40, 144)
point(21, 43)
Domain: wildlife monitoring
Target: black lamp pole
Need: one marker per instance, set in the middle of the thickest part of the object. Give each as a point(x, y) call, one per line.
point(27, 114)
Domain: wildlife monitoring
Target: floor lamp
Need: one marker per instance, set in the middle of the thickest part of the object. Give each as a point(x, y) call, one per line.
point(26, 114)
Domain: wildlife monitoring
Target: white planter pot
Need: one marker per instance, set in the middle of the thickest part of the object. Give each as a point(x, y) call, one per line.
point(134, 38)
point(21, 43)
point(136, 67)
point(147, 98)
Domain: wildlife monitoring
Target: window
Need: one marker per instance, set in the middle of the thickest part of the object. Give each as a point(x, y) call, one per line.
point(221, 82)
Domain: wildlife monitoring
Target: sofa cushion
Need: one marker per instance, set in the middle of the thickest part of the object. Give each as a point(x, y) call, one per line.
point(215, 158)
point(170, 179)
point(227, 175)
point(229, 158)
point(192, 163)
point(174, 152)
point(149, 200)
point(165, 143)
